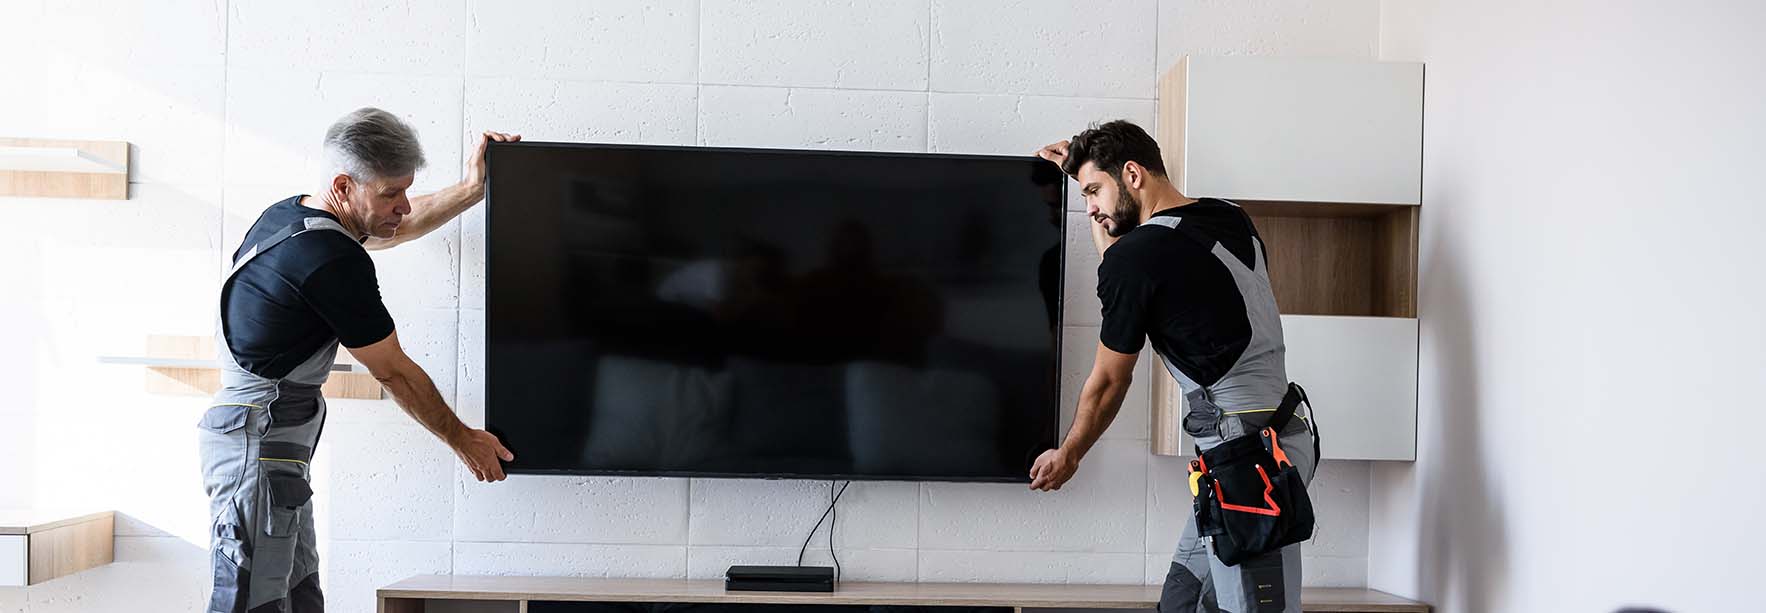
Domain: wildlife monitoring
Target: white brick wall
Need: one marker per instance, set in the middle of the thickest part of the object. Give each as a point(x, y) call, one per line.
point(225, 103)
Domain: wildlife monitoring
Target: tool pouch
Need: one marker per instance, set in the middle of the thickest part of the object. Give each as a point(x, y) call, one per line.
point(1248, 497)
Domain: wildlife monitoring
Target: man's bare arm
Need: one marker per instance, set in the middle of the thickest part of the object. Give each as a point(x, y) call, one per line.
point(1099, 401)
point(415, 393)
point(431, 211)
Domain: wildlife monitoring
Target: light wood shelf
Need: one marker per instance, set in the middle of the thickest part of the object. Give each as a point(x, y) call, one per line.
point(412, 595)
point(37, 546)
point(1340, 258)
point(38, 167)
point(186, 365)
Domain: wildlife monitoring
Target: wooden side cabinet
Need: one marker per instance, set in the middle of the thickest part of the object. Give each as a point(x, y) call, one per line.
point(36, 547)
point(556, 594)
point(1326, 157)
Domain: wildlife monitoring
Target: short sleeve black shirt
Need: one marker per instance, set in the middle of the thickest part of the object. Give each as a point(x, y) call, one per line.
point(294, 299)
point(1158, 284)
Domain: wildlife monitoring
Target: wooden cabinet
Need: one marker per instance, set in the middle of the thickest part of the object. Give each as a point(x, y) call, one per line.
point(513, 594)
point(37, 546)
point(1326, 157)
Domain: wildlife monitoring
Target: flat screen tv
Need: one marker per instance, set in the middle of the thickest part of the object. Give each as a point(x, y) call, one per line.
point(689, 311)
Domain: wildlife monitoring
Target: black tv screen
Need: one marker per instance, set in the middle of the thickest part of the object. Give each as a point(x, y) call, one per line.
point(683, 311)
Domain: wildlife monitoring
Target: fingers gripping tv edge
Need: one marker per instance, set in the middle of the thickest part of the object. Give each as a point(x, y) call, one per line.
point(682, 311)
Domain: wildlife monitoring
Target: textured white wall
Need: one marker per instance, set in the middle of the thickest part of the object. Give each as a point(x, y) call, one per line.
point(225, 102)
point(1591, 305)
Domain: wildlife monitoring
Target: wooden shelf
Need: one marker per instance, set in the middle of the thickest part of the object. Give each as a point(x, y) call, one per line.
point(64, 168)
point(37, 546)
point(1340, 259)
point(186, 365)
point(411, 595)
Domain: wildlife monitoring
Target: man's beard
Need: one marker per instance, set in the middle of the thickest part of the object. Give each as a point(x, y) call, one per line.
point(1127, 215)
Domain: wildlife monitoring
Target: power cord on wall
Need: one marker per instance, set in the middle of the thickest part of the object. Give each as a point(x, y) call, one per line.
point(832, 517)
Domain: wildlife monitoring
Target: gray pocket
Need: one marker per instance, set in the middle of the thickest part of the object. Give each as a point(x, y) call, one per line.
point(224, 418)
point(229, 565)
point(287, 494)
point(222, 445)
point(1203, 417)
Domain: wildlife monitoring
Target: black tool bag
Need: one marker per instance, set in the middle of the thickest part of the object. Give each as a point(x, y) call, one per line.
point(1249, 498)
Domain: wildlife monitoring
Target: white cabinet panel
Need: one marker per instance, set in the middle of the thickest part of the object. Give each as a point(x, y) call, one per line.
point(1360, 373)
point(1308, 130)
point(12, 560)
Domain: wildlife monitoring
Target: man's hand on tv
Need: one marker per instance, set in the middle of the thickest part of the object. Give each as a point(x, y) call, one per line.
point(1055, 152)
point(479, 451)
point(1052, 469)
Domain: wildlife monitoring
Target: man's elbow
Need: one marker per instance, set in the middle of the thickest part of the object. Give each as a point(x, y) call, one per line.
point(393, 373)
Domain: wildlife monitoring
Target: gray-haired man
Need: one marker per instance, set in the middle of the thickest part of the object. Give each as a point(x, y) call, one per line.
point(301, 284)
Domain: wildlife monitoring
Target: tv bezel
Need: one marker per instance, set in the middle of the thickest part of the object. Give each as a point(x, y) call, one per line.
point(1054, 406)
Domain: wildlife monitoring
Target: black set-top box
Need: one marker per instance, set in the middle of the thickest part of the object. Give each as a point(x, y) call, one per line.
point(779, 579)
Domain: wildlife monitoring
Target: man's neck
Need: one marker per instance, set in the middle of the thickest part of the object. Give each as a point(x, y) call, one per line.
point(321, 203)
point(1164, 200)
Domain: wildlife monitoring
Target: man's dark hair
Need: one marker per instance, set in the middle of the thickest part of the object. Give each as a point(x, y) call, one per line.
point(1111, 145)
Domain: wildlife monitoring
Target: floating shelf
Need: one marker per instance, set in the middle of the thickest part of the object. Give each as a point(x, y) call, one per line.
point(37, 546)
point(184, 365)
point(64, 168)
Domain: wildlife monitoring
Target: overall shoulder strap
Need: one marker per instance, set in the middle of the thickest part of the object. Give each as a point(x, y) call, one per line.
point(303, 226)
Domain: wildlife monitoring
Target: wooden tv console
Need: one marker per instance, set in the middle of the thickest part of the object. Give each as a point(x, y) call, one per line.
point(412, 595)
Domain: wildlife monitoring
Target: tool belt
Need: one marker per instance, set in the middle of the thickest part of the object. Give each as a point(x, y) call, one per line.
point(1249, 498)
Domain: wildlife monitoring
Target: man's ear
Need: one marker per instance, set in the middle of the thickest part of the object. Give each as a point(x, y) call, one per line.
point(340, 186)
point(1133, 175)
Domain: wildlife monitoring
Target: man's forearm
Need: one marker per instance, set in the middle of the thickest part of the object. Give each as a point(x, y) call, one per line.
point(1099, 401)
point(431, 211)
point(415, 393)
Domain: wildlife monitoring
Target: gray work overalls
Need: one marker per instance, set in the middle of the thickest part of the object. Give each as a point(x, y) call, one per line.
point(257, 439)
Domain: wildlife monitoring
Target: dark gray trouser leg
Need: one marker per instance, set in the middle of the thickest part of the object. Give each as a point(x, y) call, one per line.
point(256, 476)
point(1187, 585)
point(305, 596)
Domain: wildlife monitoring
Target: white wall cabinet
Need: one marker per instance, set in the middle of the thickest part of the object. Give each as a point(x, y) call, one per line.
point(1326, 157)
point(1304, 130)
point(1360, 373)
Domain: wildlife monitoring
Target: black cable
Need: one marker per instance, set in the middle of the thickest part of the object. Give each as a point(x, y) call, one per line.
point(812, 530)
point(834, 520)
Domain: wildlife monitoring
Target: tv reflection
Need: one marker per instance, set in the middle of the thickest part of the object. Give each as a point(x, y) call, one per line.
point(766, 356)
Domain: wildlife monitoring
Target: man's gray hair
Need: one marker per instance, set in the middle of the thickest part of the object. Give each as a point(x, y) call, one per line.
point(370, 143)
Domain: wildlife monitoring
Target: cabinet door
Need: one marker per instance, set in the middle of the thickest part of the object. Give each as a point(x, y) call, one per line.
point(13, 563)
point(1360, 373)
point(1306, 130)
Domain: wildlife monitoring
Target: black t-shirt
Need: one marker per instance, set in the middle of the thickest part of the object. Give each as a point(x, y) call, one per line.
point(294, 299)
point(1156, 283)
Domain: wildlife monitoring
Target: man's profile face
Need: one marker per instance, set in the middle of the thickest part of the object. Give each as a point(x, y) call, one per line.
point(1107, 201)
point(381, 204)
